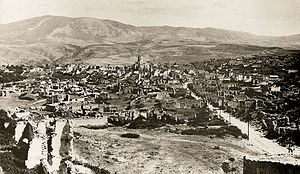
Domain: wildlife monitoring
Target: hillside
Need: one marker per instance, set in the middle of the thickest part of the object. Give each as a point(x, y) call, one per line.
point(56, 39)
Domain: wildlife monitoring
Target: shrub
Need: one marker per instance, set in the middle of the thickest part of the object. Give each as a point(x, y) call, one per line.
point(145, 125)
point(245, 136)
point(225, 167)
point(233, 130)
point(218, 132)
point(231, 159)
point(130, 135)
point(24, 97)
point(95, 127)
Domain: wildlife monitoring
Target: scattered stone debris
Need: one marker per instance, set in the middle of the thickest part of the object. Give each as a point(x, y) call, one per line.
point(216, 147)
point(154, 153)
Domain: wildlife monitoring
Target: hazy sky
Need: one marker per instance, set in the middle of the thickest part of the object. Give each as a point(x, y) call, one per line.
point(263, 17)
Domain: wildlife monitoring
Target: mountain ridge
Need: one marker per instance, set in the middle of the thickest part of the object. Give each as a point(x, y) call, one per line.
point(104, 19)
point(51, 38)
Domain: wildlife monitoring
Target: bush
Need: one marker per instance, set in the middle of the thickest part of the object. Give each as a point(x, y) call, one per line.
point(225, 167)
point(95, 127)
point(130, 135)
point(245, 136)
point(233, 130)
point(231, 159)
point(24, 97)
point(145, 125)
point(218, 132)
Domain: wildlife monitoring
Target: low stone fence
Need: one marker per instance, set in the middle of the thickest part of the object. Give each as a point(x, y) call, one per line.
point(256, 166)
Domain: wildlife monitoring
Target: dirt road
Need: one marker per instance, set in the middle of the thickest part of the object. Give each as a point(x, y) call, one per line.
point(256, 138)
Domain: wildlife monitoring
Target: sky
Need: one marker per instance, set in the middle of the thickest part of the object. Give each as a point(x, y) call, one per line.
point(261, 17)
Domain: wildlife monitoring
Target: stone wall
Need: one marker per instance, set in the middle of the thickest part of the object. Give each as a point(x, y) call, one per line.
point(38, 145)
point(49, 144)
point(1, 170)
point(32, 146)
point(268, 167)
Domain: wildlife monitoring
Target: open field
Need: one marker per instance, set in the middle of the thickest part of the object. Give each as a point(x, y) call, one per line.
point(90, 121)
point(158, 151)
point(12, 101)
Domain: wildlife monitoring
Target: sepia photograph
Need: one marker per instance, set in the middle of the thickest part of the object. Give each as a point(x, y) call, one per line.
point(149, 87)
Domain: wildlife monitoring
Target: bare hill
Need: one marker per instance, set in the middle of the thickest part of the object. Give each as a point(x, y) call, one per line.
point(56, 39)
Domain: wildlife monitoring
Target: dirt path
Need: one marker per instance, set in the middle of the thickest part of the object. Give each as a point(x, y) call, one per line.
point(256, 138)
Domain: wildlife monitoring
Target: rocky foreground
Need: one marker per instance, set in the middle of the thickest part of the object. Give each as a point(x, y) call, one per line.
point(158, 151)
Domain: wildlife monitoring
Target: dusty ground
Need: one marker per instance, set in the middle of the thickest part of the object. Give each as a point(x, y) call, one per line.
point(158, 151)
point(12, 101)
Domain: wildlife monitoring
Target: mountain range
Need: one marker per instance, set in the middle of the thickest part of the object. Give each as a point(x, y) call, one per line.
point(57, 39)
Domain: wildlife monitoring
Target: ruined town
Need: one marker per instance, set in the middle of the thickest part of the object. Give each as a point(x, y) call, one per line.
point(49, 105)
point(149, 87)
